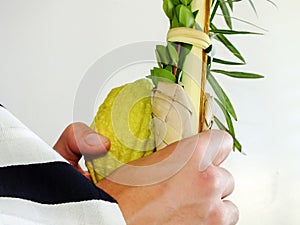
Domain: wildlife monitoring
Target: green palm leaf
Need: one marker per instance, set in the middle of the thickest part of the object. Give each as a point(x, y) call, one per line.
point(245, 22)
point(221, 126)
point(226, 62)
point(214, 11)
point(253, 6)
point(228, 44)
point(221, 95)
point(272, 3)
point(236, 74)
point(230, 3)
point(227, 117)
point(226, 13)
point(222, 31)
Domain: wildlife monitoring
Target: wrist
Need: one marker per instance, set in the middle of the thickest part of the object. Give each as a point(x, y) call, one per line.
point(137, 204)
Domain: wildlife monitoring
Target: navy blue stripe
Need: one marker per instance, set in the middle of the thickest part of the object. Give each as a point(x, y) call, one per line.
point(48, 183)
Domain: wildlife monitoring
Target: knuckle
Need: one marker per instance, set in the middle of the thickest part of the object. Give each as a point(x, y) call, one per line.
point(212, 178)
point(75, 125)
point(227, 140)
point(228, 177)
point(71, 127)
point(235, 214)
point(76, 129)
point(218, 216)
point(227, 213)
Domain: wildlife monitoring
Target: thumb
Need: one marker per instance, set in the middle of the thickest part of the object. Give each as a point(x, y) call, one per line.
point(77, 140)
point(215, 147)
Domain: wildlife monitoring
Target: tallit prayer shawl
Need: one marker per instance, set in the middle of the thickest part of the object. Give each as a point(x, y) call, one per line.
point(37, 186)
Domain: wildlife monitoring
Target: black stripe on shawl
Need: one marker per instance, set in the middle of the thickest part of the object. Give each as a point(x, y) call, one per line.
point(48, 183)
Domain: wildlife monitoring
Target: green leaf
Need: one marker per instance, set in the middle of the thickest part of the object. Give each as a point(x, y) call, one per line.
point(176, 2)
point(251, 24)
point(244, 21)
point(237, 74)
point(169, 68)
point(225, 62)
point(253, 6)
point(220, 124)
point(158, 60)
point(164, 74)
point(186, 2)
point(173, 54)
point(195, 13)
point(230, 47)
point(221, 95)
point(184, 51)
point(215, 8)
point(237, 144)
point(226, 13)
point(228, 44)
point(272, 3)
point(221, 31)
point(185, 16)
point(230, 3)
point(154, 79)
point(168, 7)
point(175, 22)
point(162, 54)
point(227, 117)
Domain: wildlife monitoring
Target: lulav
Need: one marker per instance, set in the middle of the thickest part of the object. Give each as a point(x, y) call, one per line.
point(177, 91)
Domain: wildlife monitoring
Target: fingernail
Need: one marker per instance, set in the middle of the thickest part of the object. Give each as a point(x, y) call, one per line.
point(96, 140)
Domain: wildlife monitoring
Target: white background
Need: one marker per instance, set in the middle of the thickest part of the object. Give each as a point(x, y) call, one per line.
point(47, 46)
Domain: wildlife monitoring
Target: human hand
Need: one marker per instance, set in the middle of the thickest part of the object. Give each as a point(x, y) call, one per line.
point(79, 140)
point(195, 194)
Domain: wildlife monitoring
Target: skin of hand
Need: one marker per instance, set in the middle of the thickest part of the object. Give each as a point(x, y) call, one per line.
point(193, 195)
point(79, 140)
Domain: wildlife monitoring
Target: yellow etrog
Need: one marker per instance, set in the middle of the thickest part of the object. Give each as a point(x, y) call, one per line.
point(125, 117)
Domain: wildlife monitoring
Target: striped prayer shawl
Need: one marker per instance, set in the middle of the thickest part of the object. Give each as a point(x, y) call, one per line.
point(37, 186)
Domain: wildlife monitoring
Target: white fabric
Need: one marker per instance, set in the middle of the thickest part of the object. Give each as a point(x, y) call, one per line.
point(20, 146)
point(17, 211)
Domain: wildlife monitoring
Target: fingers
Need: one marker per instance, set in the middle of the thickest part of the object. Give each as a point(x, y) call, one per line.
point(218, 181)
point(89, 142)
point(224, 213)
point(228, 182)
point(215, 146)
point(77, 140)
point(231, 213)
